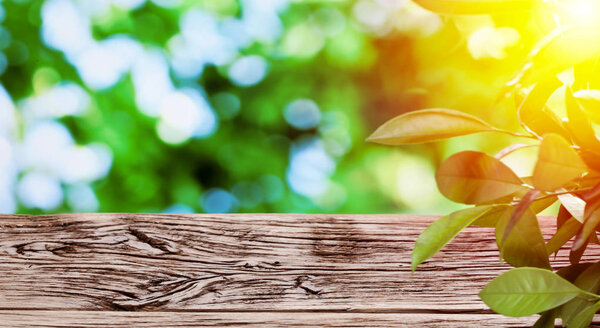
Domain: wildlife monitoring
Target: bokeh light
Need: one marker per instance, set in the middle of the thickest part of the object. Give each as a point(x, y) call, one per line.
point(226, 106)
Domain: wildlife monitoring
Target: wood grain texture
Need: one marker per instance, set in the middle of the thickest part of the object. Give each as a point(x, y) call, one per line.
point(251, 319)
point(80, 268)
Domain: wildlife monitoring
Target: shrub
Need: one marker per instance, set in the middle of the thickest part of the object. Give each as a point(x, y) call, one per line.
point(567, 169)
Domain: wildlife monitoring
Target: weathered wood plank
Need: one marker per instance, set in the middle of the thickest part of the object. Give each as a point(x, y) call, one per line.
point(257, 262)
point(114, 319)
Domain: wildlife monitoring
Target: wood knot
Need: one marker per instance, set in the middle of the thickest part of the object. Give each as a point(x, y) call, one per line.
point(304, 283)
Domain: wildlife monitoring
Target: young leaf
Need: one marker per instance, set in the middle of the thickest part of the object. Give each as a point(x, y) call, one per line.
point(526, 291)
point(475, 7)
point(563, 235)
point(472, 177)
point(588, 280)
point(557, 164)
point(524, 246)
point(561, 49)
point(574, 205)
point(441, 231)
point(579, 124)
point(532, 111)
point(590, 103)
point(428, 125)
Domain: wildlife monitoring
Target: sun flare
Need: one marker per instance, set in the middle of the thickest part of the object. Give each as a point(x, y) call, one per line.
point(580, 11)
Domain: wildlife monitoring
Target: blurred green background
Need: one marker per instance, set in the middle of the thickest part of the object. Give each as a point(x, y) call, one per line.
point(235, 106)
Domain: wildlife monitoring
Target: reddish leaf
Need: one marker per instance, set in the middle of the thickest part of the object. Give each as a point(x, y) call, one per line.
point(490, 218)
point(473, 178)
point(562, 217)
point(591, 159)
point(428, 125)
point(590, 222)
point(576, 254)
point(557, 164)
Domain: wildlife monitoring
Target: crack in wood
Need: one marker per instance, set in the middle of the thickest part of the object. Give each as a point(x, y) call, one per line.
point(153, 242)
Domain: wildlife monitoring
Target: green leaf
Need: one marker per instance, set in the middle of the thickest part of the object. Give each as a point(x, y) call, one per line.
point(490, 218)
point(584, 318)
point(557, 164)
point(518, 212)
point(428, 125)
point(526, 291)
point(542, 203)
point(475, 7)
point(524, 246)
point(588, 280)
point(563, 235)
point(472, 177)
point(441, 231)
point(546, 320)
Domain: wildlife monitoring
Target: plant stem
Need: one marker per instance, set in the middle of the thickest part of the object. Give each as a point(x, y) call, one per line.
point(517, 134)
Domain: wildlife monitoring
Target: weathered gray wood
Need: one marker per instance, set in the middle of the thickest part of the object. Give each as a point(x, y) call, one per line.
point(251, 319)
point(284, 265)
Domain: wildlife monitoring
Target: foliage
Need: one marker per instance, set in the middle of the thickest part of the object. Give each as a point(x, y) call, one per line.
point(567, 169)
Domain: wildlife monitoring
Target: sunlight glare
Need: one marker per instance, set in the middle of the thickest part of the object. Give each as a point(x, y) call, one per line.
point(583, 11)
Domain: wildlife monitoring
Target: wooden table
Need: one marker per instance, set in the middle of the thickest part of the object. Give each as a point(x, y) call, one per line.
point(260, 270)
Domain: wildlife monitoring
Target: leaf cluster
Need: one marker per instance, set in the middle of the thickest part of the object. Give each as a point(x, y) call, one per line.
point(567, 170)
